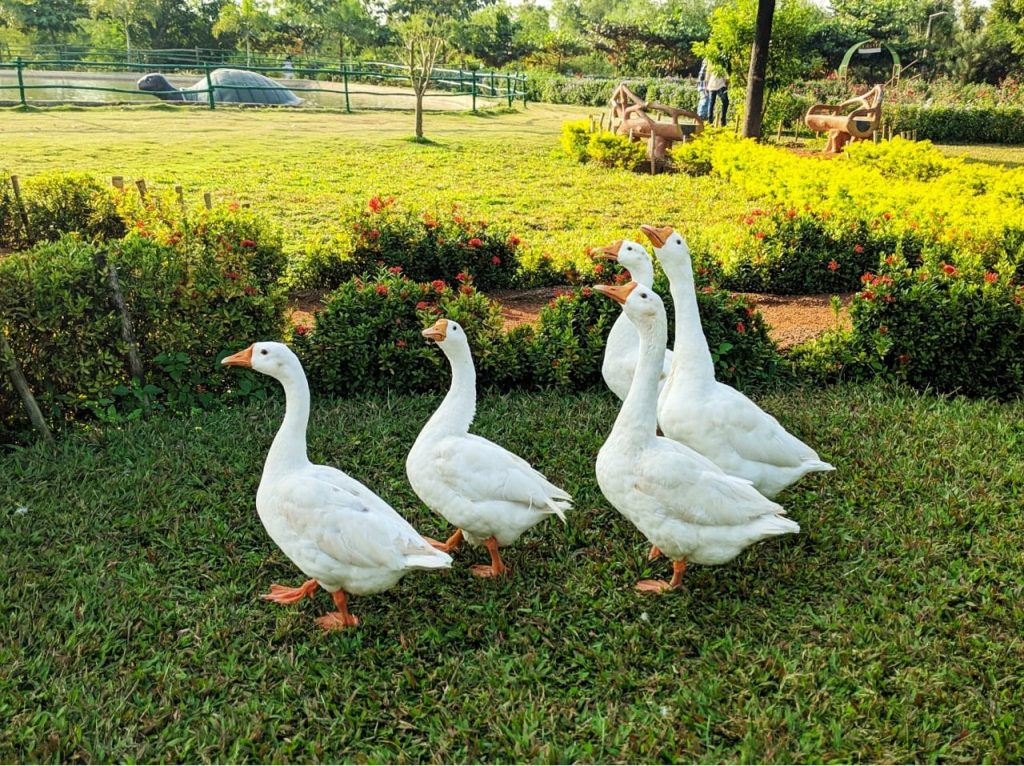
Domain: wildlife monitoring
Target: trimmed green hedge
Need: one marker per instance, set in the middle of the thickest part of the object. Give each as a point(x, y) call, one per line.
point(959, 125)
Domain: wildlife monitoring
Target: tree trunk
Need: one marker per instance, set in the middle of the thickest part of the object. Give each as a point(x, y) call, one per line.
point(758, 67)
point(419, 113)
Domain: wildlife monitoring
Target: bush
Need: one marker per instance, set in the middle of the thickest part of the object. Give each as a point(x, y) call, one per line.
point(933, 330)
point(423, 247)
point(188, 309)
point(575, 139)
point(60, 203)
point(959, 124)
point(612, 150)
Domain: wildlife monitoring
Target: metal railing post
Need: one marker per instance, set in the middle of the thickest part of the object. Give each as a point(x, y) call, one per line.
point(523, 79)
point(209, 88)
point(21, 81)
point(344, 77)
point(508, 89)
point(474, 89)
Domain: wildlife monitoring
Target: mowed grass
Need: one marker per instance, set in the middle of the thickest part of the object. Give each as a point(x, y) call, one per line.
point(304, 169)
point(889, 630)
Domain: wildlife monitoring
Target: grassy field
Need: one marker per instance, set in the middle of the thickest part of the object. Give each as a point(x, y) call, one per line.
point(304, 169)
point(889, 630)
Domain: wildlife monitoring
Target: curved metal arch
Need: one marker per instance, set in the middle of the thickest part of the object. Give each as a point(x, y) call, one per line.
point(896, 66)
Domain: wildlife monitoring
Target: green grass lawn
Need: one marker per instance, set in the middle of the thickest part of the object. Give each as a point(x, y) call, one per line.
point(890, 630)
point(304, 169)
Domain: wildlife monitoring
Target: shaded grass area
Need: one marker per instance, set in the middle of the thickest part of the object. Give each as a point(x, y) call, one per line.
point(888, 631)
point(305, 169)
point(991, 154)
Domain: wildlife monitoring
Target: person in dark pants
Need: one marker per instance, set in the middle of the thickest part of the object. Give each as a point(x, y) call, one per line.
point(718, 89)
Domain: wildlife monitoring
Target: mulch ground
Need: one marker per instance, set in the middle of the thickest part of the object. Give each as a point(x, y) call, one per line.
point(791, 319)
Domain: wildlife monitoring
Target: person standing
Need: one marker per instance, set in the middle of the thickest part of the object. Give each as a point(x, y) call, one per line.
point(703, 100)
point(288, 67)
point(718, 89)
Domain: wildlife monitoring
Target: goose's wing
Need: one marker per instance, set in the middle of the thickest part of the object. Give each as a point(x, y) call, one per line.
point(480, 470)
point(753, 433)
point(689, 487)
point(347, 521)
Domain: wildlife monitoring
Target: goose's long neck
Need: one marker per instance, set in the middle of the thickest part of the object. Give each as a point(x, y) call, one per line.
point(638, 417)
point(288, 450)
point(691, 353)
point(456, 412)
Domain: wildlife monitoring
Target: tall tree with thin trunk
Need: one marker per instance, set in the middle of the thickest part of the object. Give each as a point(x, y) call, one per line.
point(758, 68)
point(423, 38)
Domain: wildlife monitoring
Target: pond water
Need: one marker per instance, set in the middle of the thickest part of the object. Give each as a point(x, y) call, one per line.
point(119, 87)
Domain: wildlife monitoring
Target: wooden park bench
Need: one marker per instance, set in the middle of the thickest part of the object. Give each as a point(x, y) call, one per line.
point(631, 117)
point(844, 125)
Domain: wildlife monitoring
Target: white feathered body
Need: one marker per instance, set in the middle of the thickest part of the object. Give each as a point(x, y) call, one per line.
point(620, 357)
point(340, 533)
point(683, 503)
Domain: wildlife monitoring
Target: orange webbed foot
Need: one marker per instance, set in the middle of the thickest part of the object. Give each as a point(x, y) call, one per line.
point(449, 545)
point(281, 594)
point(337, 621)
point(652, 586)
point(488, 570)
point(655, 553)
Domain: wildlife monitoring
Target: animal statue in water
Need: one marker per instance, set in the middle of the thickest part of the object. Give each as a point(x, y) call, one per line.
point(230, 86)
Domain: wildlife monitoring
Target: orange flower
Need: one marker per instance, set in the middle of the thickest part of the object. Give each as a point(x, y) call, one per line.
point(991, 277)
point(832, 265)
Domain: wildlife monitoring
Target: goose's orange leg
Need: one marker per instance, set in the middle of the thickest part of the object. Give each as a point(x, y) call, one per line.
point(342, 618)
point(281, 594)
point(655, 553)
point(451, 544)
point(658, 586)
point(497, 566)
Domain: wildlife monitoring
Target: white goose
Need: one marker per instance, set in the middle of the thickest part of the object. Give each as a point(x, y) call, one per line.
point(339, 533)
point(489, 494)
point(682, 502)
point(711, 417)
point(623, 344)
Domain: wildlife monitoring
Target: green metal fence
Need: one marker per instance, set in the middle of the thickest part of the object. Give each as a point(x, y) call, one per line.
point(504, 87)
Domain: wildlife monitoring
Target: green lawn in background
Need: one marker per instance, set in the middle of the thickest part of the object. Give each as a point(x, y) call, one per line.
point(889, 630)
point(304, 169)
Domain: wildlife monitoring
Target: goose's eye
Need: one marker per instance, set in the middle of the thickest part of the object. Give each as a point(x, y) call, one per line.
point(630, 248)
point(643, 295)
point(264, 352)
point(679, 241)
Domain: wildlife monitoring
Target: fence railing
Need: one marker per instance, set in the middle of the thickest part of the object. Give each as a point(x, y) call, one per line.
point(341, 81)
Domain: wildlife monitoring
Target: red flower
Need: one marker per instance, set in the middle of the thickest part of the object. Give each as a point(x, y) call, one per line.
point(867, 295)
point(395, 269)
point(790, 213)
point(890, 260)
point(858, 248)
point(922, 275)
point(621, 278)
point(949, 269)
point(301, 329)
point(438, 285)
point(422, 306)
point(904, 358)
point(375, 204)
point(382, 289)
point(867, 277)
point(757, 211)
point(231, 274)
point(496, 260)
point(586, 292)
point(740, 327)
point(466, 289)
point(832, 265)
point(883, 329)
point(598, 268)
point(887, 215)
point(475, 242)
point(373, 234)
point(401, 344)
point(991, 276)
point(461, 277)
point(514, 240)
point(707, 289)
point(751, 311)
point(748, 221)
point(233, 206)
point(759, 234)
point(250, 290)
point(248, 243)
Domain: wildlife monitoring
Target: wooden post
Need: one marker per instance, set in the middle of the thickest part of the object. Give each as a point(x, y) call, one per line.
point(127, 328)
point(208, 200)
point(140, 184)
point(778, 136)
point(178, 190)
point(117, 182)
point(16, 185)
point(13, 370)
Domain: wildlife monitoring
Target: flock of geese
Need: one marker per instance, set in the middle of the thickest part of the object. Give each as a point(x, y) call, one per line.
point(699, 493)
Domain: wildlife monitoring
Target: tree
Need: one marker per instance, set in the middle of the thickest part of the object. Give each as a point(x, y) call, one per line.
point(129, 14)
point(52, 20)
point(246, 21)
point(345, 23)
point(758, 68)
point(423, 39)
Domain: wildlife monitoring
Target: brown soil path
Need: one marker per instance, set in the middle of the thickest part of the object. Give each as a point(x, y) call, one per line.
point(791, 319)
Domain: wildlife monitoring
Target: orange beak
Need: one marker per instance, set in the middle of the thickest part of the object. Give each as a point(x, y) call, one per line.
point(241, 359)
point(607, 253)
point(657, 236)
point(617, 293)
point(437, 332)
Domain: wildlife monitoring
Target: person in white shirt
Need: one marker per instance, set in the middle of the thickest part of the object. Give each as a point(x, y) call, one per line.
point(718, 89)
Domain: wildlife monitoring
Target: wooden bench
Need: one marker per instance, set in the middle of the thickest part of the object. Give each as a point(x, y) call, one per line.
point(843, 125)
point(631, 117)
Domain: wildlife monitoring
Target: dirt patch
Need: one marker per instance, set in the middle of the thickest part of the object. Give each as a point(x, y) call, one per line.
point(791, 319)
